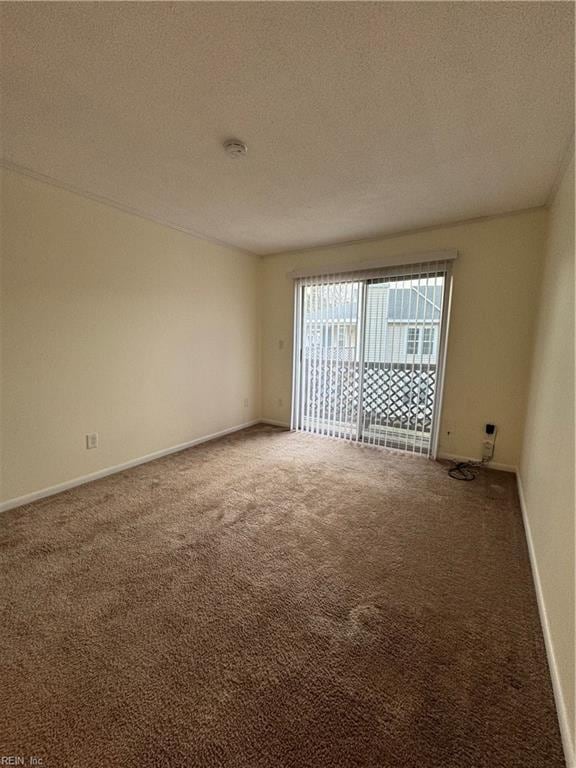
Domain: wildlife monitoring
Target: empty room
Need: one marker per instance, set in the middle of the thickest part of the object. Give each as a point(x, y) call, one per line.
point(287, 391)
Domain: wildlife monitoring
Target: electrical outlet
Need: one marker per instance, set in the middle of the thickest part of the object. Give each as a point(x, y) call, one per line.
point(91, 440)
point(245, 402)
point(280, 402)
point(281, 344)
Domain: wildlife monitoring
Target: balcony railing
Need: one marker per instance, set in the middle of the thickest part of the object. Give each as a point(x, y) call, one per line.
point(395, 396)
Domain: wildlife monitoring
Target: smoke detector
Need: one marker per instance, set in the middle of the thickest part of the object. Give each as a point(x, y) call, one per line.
point(235, 148)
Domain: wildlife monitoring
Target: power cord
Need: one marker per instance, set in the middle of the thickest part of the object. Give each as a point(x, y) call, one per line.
point(465, 470)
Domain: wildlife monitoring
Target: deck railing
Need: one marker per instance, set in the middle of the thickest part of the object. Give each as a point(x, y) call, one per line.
point(398, 395)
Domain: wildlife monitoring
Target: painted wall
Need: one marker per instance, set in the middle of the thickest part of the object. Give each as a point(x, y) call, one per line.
point(116, 325)
point(548, 462)
point(496, 281)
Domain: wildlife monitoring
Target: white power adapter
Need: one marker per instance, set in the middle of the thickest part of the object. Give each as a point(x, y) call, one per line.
point(488, 442)
point(487, 450)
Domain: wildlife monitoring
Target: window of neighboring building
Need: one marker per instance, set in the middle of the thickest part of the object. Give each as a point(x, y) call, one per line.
point(412, 341)
point(420, 341)
point(428, 341)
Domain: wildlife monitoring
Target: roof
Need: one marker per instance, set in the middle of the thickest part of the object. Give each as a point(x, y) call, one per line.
point(415, 303)
point(404, 304)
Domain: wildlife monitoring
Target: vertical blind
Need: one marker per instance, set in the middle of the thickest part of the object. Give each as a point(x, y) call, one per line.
point(368, 355)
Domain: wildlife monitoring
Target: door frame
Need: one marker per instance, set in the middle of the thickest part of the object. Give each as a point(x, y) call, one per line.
point(441, 367)
point(297, 357)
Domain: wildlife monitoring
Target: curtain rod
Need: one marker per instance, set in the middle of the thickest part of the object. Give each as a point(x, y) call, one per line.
point(426, 257)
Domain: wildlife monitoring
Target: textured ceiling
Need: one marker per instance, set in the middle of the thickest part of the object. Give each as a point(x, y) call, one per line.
point(360, 118)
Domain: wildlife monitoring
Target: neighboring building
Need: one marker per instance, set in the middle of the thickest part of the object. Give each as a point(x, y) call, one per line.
point(402, 321)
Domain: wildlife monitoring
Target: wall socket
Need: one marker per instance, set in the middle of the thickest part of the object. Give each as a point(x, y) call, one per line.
point(280, 402)
point(92, 440)
point(245, 402)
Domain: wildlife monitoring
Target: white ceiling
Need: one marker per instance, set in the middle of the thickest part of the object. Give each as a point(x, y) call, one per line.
point(360, 118)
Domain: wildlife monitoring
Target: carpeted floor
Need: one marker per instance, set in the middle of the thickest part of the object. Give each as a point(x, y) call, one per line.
point(274, 600)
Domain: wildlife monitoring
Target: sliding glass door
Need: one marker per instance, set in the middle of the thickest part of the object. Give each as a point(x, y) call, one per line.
point(369, 354)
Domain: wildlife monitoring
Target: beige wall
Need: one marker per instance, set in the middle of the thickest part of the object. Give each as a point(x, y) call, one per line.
point(96, 322)
point(116, 325)
point(496, 280)
point(548, 462)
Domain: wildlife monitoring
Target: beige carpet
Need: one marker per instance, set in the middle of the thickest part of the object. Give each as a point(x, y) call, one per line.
point(274, 600)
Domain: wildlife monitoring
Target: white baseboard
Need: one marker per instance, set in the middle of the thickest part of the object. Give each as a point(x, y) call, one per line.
point(490, 465)
point(275, 423)
point(563, 721)
point(53, 489)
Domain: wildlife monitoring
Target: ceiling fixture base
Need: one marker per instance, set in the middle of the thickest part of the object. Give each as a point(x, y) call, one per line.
point(235, 148)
